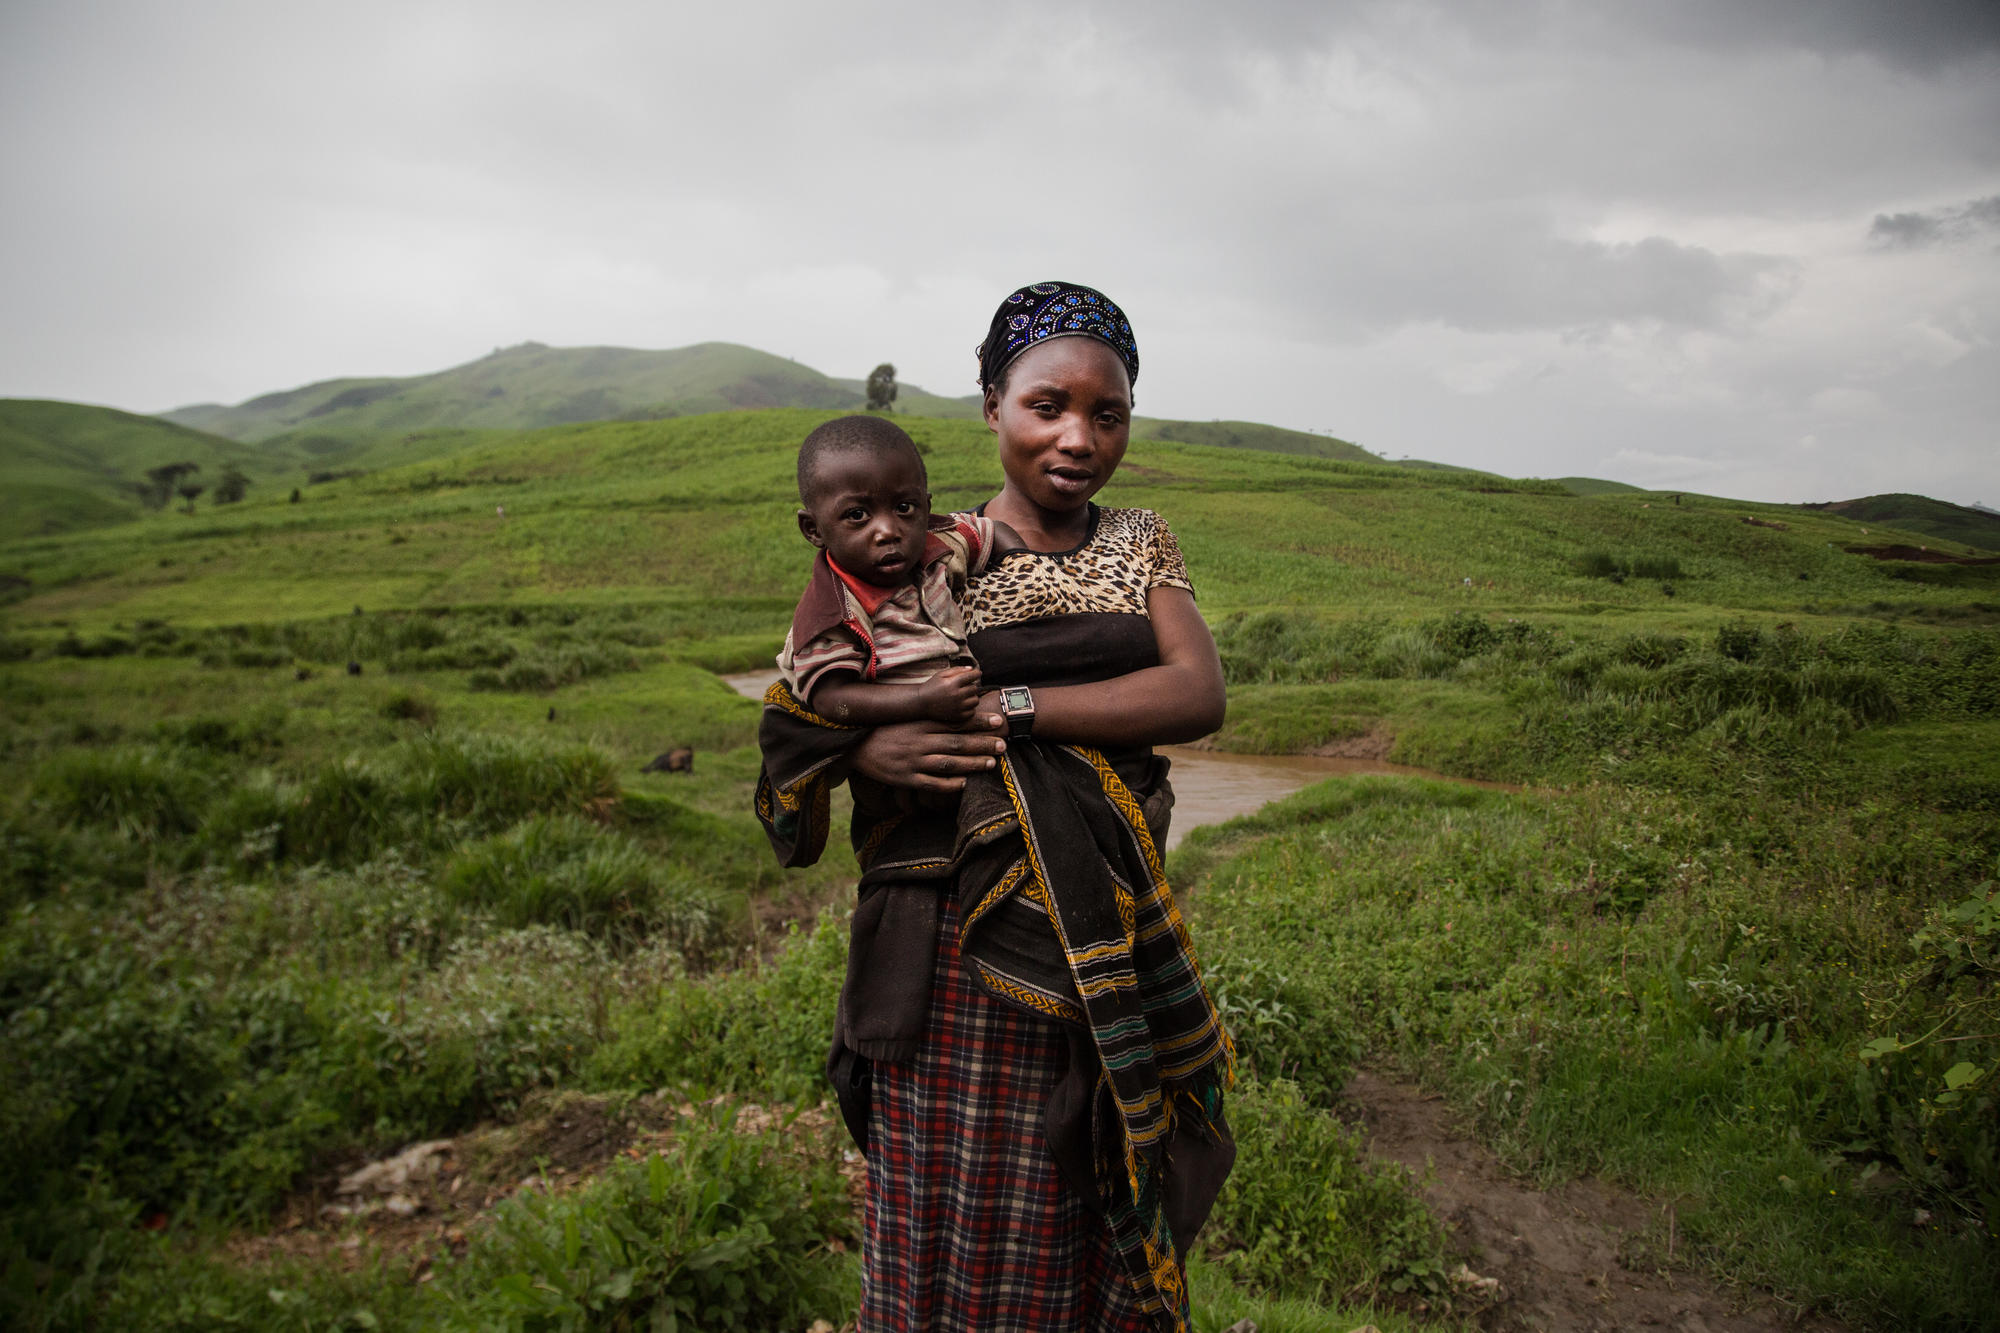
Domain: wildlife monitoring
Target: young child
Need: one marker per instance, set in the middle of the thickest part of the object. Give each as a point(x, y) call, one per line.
point(878, 636)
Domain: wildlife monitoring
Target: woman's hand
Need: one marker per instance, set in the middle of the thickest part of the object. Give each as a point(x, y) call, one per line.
point(928, 756)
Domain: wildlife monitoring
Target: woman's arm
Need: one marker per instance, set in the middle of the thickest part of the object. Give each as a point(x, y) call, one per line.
point(1181, 699)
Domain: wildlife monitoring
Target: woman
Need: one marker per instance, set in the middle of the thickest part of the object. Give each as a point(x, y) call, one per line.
point(1025, 1050)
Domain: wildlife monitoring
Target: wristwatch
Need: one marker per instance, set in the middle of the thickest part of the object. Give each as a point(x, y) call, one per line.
point(1017, 705)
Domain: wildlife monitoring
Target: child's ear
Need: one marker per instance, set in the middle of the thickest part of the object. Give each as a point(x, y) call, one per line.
point(811, 529)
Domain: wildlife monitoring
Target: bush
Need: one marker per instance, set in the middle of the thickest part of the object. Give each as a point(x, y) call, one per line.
point(144, 793)
point(761, 1029)
point(548, 669)
point(1307, 1213)
point(102, 645)
point(726, 1231)
point(492, 781)
point(417, 706)
point(563, 870)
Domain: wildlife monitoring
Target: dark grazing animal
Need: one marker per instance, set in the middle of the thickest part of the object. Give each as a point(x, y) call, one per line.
point(354, 668)
point(680, 759)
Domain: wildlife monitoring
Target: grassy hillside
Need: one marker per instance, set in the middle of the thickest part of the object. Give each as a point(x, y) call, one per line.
point(528, 386)
point(1594, 486)
point(323, 829)
point(1920, 514)
point(628, 509)
point(66, 465)
point(1250, 435)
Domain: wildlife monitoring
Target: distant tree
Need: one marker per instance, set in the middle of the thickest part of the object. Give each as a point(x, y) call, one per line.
point(296, 497)
point(190, 491)
point(162, 481)
point(882, 388)
point(232, 486)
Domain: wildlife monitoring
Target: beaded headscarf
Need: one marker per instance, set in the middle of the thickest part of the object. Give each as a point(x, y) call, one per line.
point(1045, 310)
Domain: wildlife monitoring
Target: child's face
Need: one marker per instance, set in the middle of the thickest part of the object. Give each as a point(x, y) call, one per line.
point(869, 512)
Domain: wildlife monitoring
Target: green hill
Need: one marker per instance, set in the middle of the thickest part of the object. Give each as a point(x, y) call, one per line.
point(624, 509)
point(528, 386)
point(1250, 435)
point(68, 465)
point(1920, 514)
point(1594, 486)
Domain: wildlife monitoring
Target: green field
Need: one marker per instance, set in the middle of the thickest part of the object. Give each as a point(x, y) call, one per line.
point(324, 831)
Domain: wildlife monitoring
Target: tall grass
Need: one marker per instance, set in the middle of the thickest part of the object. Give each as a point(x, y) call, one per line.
point(565, 871)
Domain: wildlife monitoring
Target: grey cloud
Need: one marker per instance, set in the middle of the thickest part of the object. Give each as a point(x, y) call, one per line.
point(1502, 270)
point(1922, 35)
point(1916, 231)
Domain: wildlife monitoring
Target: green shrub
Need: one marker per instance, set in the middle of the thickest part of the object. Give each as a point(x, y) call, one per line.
point(255, 731)
point(345, 811)
point(418, 706)
point(1282, 1028)
point(551, 668)
point(727, 1230)
point(145, 793)
point(457, 654)
point(762, 1029)
point(491, 781)
point(101, 645)
point(1307, 1213)
point(564, 870)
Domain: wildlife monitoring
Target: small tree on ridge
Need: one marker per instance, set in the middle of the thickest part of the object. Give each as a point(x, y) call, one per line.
point(882, 388)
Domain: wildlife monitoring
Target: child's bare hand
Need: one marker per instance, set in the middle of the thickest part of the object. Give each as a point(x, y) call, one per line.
point(951, 696)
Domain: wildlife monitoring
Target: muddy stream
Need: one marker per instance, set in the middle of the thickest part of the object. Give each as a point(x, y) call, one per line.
point(1211, 786)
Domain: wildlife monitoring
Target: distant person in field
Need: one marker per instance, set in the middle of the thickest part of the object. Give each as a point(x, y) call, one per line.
point(878, 636)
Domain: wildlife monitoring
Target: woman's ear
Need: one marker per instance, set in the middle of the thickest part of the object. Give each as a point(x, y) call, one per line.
point(810, 529)
point(990, 407)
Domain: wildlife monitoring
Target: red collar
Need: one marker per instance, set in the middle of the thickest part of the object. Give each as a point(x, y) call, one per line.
point(869, 595)
point(824, 606)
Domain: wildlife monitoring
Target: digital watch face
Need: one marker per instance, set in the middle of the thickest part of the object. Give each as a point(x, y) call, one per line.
point(1016, 699)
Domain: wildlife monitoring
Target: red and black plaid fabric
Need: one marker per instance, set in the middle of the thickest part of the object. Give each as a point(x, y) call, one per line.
point(969, 1224)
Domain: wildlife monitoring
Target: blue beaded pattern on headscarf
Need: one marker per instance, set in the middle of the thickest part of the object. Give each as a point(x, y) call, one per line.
point(1046, 310)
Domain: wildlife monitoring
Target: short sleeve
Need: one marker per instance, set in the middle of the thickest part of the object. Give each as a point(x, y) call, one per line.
point(802, 667)
point(977, 530)
point(1166, 567)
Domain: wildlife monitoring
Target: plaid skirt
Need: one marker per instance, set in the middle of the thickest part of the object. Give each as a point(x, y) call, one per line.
point(968, 1222)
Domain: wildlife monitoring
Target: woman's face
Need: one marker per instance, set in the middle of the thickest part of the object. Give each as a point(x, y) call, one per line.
point(1064, 419)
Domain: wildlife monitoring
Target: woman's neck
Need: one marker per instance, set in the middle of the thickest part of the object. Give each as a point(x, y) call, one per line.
point(1041, 529)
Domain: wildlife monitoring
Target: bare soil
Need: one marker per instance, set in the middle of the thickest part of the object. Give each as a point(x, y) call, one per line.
point(562, 1143)
point(1923, 555)
point(1584, 1257)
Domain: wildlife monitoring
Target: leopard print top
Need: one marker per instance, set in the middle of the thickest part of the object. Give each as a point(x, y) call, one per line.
point(1127, 553)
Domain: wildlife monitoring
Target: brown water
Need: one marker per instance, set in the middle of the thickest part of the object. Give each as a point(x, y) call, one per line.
point(1210, 786)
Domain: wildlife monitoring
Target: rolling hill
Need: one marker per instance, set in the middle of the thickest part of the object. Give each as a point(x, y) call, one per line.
point(68, 465)
point(1921, 514)
point(531, 386)
point(624, 509)
point(1250, 435)
point(1594, 486)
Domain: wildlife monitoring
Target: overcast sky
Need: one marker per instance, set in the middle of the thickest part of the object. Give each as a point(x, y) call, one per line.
point(1747, 247)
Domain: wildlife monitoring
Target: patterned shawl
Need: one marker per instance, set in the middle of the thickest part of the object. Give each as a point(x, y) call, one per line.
point(1065, 911)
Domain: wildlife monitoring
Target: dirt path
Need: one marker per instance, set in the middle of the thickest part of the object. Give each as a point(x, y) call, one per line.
point(1581, 1258)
